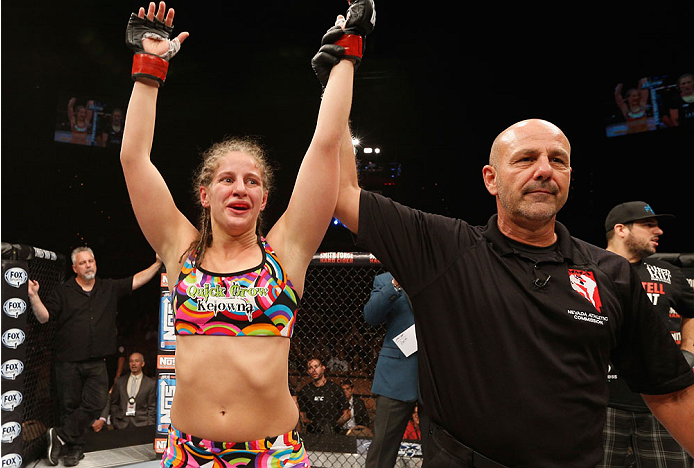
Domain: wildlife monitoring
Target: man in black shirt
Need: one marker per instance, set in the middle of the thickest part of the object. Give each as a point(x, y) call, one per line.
point(517, 321)
point(322, 403)
point(633, 231)
point(84, 309)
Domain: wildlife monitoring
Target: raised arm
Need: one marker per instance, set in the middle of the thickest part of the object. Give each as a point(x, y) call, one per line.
point(167, 230)
point(380, 303)
point(143, 277)
point(302, 226)
point(619, 99)
point(347, 208)
point(71, 111)
point(299, 232)
point(40, 310)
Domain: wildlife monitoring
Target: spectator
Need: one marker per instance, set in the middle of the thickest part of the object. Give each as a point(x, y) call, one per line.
point(633, 231)
point(84, 309)
point(133, 401)
point(322, 403)
point(358, 422)
point(413, 430)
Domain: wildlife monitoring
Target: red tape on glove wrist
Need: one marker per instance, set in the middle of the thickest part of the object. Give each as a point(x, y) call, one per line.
point(150, 66)
point(353, 45)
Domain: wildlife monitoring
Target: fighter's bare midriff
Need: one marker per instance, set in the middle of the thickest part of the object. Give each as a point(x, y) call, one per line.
point(232, 389)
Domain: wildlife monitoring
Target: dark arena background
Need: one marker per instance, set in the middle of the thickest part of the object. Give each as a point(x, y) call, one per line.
point(438, 82)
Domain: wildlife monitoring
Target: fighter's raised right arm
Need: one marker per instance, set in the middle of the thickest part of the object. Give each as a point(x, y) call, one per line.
point(347, 208)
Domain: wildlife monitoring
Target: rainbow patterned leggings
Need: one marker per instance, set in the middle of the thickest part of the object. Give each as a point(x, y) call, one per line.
point(184, 450)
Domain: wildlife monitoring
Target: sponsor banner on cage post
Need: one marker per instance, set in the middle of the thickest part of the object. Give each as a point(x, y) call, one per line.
point(167, 337)
point(166, 388)
point(15, 299)
point(166, 364)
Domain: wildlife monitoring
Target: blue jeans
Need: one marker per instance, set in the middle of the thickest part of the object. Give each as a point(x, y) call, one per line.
point(82, 395)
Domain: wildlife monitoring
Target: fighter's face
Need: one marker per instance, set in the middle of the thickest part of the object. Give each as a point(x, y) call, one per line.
point(236, 195)
point(633, 98)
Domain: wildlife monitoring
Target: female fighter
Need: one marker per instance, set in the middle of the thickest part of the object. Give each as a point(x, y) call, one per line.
point(235, 291)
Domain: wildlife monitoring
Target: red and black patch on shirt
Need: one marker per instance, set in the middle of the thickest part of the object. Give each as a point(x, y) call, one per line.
point(583, 282)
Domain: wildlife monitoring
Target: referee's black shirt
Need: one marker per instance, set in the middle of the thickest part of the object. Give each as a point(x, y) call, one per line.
point(513, 365)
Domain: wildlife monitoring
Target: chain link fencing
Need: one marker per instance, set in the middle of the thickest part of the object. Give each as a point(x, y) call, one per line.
point(331, 327)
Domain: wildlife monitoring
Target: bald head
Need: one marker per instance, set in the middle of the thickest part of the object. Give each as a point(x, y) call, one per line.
point(525, 130)
point(529, 173)
point(137, 362)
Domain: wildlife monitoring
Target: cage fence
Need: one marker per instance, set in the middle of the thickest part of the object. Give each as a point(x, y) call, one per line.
point(39, 409)
point(330, 327)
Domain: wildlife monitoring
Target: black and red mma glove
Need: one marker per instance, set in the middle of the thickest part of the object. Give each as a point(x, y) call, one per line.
point(147, 65)
point(359, 22)
point(339, 43)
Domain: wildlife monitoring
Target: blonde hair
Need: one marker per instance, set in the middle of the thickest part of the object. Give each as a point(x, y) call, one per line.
point(203, 178)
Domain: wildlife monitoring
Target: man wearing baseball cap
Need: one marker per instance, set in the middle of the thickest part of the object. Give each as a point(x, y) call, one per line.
point(633, 231)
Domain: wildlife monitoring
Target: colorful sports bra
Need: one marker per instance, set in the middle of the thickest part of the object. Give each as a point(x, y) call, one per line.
point(256, 302)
